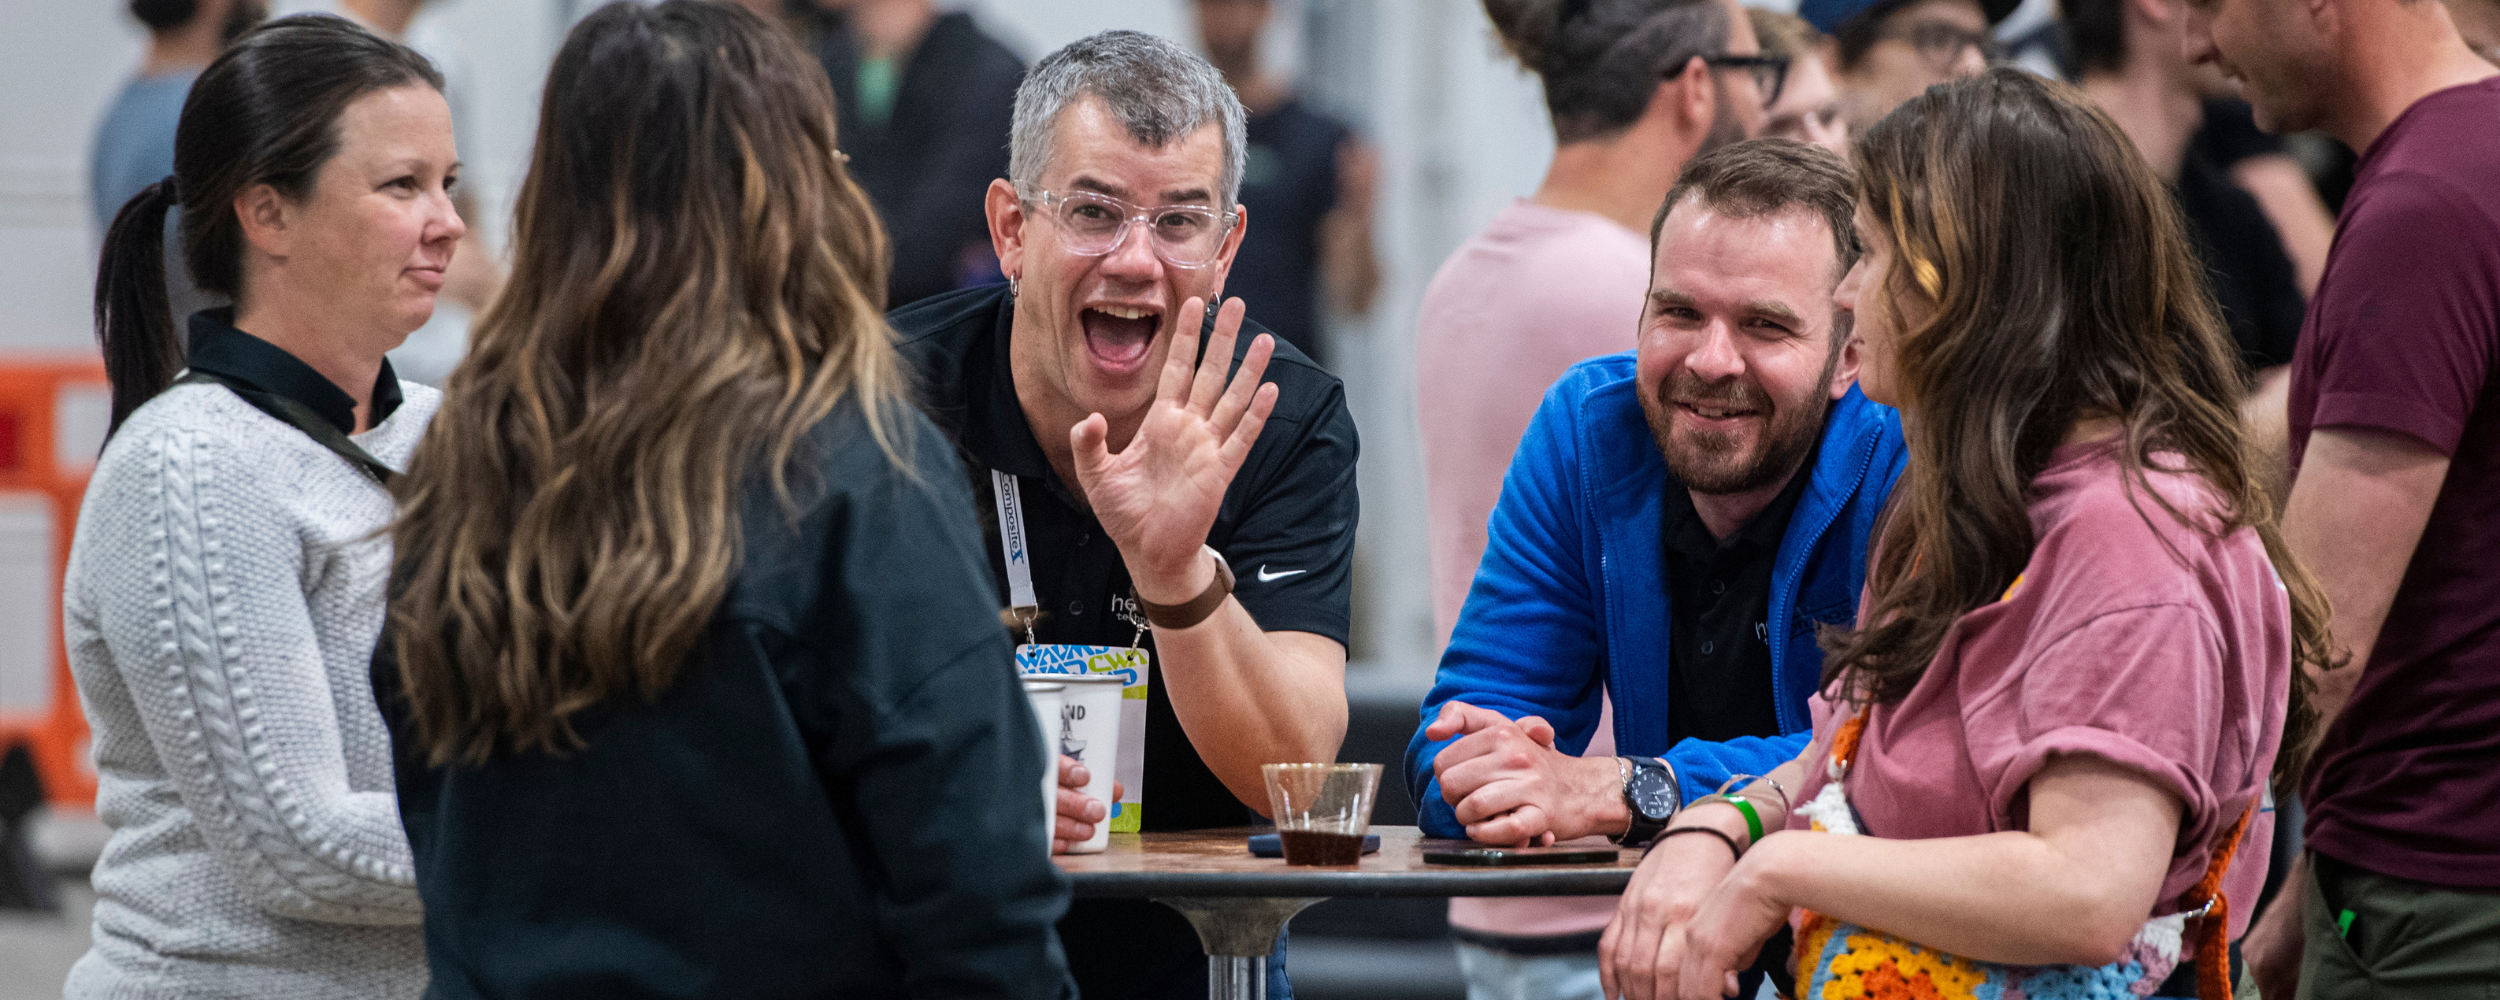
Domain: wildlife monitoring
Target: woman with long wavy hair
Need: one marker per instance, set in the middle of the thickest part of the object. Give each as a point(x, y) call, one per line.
point(2046, 752)
point(694, 673)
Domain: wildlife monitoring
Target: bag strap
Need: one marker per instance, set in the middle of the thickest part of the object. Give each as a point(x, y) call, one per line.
point(302, 418)
point(2213, 919)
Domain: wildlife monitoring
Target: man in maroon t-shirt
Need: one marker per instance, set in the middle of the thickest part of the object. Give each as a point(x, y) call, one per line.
point(2395, 502)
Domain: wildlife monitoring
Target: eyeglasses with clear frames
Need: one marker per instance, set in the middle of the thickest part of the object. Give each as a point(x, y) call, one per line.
point(1091, 224)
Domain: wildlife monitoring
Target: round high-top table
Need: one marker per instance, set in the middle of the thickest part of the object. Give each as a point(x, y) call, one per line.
point(1239, 902)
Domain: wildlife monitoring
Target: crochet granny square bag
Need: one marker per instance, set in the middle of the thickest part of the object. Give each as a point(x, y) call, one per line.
point(1837, 960)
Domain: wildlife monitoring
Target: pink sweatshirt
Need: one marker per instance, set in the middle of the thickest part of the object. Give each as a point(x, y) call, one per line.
point(1537, 291)
point(2128, 637)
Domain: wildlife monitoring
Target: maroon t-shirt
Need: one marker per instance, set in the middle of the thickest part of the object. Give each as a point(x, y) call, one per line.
point(2404, 336)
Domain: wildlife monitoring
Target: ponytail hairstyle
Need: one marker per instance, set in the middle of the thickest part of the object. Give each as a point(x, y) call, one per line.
point(265, 112)
point(696, 285)
point(2054, 261)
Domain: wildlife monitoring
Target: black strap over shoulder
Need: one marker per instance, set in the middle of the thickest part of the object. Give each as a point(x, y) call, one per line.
point(302, 418)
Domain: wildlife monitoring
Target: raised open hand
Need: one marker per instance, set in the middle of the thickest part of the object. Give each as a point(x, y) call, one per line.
point(1158, 496)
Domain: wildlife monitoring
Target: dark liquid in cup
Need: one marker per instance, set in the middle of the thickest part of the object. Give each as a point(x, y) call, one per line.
point(1311, 847)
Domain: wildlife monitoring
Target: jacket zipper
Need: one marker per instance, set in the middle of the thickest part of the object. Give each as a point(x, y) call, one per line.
point(1779, 670)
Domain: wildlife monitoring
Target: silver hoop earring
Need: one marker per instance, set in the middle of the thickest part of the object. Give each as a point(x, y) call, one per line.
point(1011, 287)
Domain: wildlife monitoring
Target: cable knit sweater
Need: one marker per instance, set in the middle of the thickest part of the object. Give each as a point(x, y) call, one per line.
point(224, 590)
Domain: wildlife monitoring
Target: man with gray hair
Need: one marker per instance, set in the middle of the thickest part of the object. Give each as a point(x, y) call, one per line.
point(1154, 512)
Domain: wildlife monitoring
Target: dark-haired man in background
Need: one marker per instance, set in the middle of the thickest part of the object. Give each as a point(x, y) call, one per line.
point(924, 99)
point(1635, 88)
point(2130, 56)
point(1309, 177)
point(1888, 51)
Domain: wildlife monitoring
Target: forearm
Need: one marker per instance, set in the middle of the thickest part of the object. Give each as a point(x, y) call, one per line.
point(2001, 897)
point(2264, 413)
point(1349, 270)
point(2354, 518)
point(2283, 193)
point(1247, 697)
point(2075, 887)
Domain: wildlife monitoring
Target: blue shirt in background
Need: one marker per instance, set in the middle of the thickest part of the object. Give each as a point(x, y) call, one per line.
point(134, 144)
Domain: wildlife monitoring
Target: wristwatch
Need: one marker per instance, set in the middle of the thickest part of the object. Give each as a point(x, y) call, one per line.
point(1196, 609)
point(1650, 794)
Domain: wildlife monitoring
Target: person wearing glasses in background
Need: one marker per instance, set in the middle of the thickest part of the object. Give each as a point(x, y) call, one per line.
point(1212, 527)
point(1806, 105)
point(1888, 51)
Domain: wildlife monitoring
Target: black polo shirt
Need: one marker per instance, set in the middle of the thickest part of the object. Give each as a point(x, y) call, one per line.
point(1718, 606)
point(219, 349)
point(1286, 526)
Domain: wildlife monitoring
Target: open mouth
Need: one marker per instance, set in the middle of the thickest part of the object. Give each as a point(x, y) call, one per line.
point(1118, 336)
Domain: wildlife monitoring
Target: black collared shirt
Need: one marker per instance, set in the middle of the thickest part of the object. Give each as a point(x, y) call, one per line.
point(1286, 526)
point(1719, 601)
point(220, 349)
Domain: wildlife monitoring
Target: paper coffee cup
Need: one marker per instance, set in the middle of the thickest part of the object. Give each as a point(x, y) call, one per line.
point(1048, 699)
point(1090, 732)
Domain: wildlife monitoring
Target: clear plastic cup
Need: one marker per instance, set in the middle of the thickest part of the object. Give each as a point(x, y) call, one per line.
point(1322, 811)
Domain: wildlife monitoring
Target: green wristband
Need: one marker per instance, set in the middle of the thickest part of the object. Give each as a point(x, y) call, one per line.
point(1753, 820)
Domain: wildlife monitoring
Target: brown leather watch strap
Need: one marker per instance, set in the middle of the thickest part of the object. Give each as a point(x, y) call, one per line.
point(1196, 609)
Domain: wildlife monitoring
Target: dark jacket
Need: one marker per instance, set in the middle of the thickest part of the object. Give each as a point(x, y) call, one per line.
point(837, 797)
point(929, 165)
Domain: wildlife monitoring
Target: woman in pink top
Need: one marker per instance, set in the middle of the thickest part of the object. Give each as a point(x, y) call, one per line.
point(2054, 730)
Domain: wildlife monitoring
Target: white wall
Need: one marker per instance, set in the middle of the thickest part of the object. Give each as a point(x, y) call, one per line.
point(60, 63)
point(1460, 130)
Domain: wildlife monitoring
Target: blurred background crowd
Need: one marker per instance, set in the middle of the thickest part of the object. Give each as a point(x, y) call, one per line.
point(1383, 133)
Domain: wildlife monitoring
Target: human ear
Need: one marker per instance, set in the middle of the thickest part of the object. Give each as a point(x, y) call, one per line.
point(1695, 93)
point(265, 215)
point(1845, 374)
point(1006, 215)
point(1232, 244)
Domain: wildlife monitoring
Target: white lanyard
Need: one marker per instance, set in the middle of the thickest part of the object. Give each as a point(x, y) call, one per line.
point(1018, 555)
point(1011, 544)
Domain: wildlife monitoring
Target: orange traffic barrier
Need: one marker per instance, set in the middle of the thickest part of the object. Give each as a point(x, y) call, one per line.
point(53, 414)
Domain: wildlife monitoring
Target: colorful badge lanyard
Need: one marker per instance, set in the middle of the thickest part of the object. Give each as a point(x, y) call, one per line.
point(1012, 545)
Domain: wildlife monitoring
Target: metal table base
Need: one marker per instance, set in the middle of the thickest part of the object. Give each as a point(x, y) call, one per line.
point(1238, 903)
point(1239, 933)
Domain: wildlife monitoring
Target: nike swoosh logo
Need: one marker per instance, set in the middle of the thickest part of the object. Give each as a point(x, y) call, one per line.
point(1267, 577)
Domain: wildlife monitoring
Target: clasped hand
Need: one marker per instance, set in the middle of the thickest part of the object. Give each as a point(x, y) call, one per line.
point(1507, 783)
point(1158, 496)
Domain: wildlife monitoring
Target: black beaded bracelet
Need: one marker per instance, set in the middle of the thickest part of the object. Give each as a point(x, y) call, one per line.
point(1723, 838)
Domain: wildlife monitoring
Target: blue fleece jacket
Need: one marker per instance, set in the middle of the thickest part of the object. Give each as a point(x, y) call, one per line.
point(1572, 591)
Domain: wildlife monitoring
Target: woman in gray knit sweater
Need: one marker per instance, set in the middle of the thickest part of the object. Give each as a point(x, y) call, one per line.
point(225, 586)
